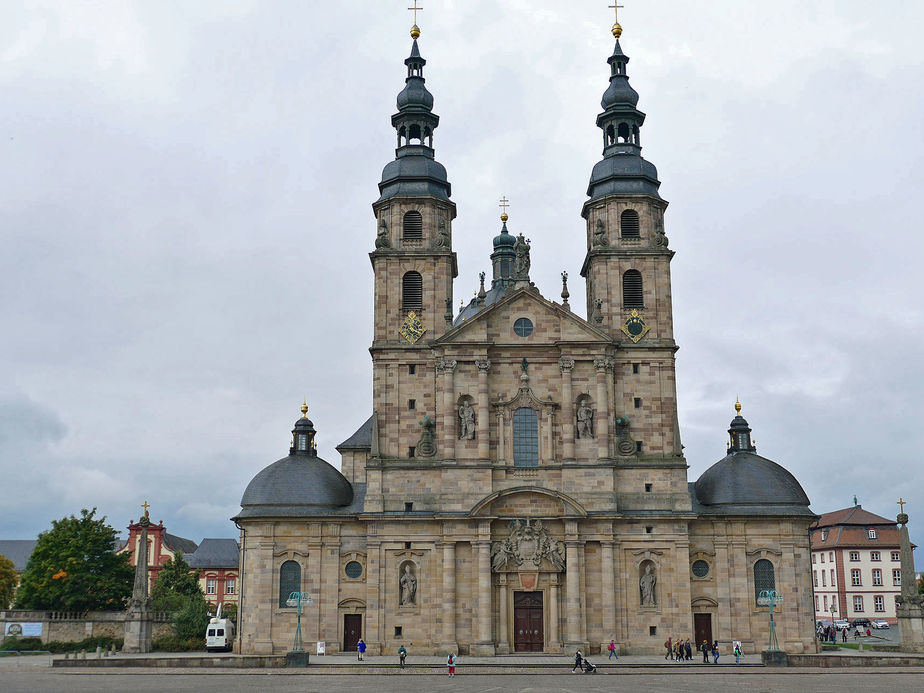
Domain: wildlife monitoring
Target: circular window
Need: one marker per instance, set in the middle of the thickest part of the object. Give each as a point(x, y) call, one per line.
point(700, 569)
point(353, 569)
point(523, 327)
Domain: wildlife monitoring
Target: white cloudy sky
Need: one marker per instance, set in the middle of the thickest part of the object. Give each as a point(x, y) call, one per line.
point(185, 195)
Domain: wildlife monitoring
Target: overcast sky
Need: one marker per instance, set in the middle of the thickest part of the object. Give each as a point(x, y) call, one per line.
point(185, 218)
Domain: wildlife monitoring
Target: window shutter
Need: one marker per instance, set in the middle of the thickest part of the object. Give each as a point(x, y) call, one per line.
point(413, 225)
point(632, 294)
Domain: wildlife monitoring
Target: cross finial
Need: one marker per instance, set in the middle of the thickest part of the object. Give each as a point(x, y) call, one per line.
point(415, 31)
point(901, 505)
point(617, 29)
point(503, 204)
point(145, 506)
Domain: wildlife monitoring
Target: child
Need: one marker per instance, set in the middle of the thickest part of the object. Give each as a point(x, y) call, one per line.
point(451, 662)
point(737, 652)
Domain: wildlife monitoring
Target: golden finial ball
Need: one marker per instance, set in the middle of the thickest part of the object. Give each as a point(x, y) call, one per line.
point(504, 217)
point(617, 30)
point(415, 32)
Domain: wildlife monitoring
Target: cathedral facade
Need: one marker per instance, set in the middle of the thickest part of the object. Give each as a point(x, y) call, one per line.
point(520, 485)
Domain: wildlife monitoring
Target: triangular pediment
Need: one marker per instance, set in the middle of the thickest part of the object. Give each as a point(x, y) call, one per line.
point(551, 323)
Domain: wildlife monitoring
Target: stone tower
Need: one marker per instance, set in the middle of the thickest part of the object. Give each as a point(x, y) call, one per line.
point(627, 267)
point(414, 266)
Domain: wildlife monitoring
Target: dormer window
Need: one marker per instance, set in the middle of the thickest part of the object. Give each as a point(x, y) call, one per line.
point(871, 533)
point(824, 536)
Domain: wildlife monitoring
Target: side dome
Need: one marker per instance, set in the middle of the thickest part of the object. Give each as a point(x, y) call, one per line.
point(743, 478)
point(297, 480)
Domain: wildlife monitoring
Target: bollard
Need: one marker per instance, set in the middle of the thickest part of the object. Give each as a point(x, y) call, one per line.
point(83, 654)
point(67, 655)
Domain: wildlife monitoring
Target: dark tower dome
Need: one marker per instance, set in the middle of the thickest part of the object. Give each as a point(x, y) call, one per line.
point(743, 482)
point(297, 485)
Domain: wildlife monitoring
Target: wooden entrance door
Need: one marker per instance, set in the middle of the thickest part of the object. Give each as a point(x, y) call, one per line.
point(352, 631)
point(528, 624)
point(702, 626)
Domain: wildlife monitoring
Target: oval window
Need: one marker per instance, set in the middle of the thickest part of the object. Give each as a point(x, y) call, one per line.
point(700, 569)
point(523, 327)
point(353, 569)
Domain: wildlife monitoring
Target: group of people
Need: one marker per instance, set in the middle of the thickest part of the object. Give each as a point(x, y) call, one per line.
point(681, 650)
point(829, 634)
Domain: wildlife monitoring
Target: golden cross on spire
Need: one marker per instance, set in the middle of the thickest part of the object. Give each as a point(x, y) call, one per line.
point(617, 29)
point(415, 31)
point(901, 505)
point(504, 203)
point(145, 506)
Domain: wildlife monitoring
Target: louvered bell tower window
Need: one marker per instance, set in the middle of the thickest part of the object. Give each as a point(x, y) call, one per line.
point(628, 223)
point(632, 294)
point(412, 291)
point(413, 225)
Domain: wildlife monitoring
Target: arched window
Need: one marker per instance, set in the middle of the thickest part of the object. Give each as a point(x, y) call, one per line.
point(628, 224)
point(632, 295)
point(413, 224)
point(290, 580)
point(764, 578)
point(412, 291)
point(525, 438)
point(610, 135)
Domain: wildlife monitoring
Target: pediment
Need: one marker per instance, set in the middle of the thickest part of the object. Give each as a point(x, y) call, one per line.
point(551, 323)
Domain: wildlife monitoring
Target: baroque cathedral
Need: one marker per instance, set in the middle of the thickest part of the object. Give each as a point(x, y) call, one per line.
point(520, 485)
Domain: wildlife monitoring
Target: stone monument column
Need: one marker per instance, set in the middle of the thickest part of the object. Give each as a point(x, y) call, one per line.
point(572, 596)
point(601, 416)
point(483, 426)
point(910, 607)
point(608, 585)
point(449, 597)
point(567, 408)
point(503, 644)
point(554, 640)
point(138, 624)
point(484, 640)
point(449, 423)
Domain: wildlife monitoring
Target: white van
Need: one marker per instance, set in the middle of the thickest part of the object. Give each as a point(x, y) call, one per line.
point(219, 635)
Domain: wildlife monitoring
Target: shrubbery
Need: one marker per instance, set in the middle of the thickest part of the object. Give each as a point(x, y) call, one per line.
point(172, 643)
point(12, 644)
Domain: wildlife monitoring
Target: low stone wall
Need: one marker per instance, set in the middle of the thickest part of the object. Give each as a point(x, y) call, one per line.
point(69, 626)
point(212, 661)
point(841, 660)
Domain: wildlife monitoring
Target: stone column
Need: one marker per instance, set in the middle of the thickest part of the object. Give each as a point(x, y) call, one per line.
point(138, 623)
point(374, 596)
point(601, 417)
point(567, 408)
point(484, 639)
point(501, 437)
point(572, 595)
point(449, 597)
point(607, 583)
point(503, 644)
point(449, 435)
point(554, 640)
point(483, 426)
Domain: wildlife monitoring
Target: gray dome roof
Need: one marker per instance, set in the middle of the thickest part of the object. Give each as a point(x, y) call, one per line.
point(619, 93)
point(303, 480)
point(415, 94)
point(623, 171)
point(743, 478)
point(414, 173)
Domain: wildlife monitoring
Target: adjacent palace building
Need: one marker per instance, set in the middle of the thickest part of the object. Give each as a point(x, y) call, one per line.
point(520, 485)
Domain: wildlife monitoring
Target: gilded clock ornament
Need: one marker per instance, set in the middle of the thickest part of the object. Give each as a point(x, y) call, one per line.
point(412, 328)
point(635, 326)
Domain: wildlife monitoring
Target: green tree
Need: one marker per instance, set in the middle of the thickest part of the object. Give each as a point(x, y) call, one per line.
point(177, 590)
point(176, 583)
point(74, 568)
point(8, 580)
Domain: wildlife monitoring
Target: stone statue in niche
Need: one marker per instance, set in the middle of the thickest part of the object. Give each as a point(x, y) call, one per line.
point(408, 584)
point(442, 234)
point(381, 237)
point(597, 314)
point(426, 445)
point(600, 238)
point(466, 421)
point(521, 262)
point(585, 419)
point(526, 546)
point(646, 585)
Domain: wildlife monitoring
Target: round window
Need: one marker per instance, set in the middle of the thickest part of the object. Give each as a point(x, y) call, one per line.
point(523, 327)
point(700, 569)
point(353, 569)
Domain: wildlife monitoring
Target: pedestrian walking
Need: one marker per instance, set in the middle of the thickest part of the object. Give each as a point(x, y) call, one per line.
point(360, 649)
point(670, 649)
point(451, 663)
point(715, 652)
point(705, 650)
point(737, 646)
point(612, 649)
point(844, 635)
point(689, 649)
point(578, 661)
point(402, 655)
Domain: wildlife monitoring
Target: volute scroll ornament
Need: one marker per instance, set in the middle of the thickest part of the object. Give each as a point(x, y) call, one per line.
point(528, 544)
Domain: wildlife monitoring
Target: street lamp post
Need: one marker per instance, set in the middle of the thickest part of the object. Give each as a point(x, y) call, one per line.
point(297, 655)
point(771, 598)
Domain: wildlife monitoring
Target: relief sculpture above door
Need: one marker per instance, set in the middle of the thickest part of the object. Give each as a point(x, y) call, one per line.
point(525, 548)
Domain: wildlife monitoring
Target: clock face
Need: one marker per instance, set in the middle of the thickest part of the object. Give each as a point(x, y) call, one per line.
point(412, 329)
point(635, 326)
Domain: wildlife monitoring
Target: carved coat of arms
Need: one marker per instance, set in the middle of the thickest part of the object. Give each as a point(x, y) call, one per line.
point(528, 543)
